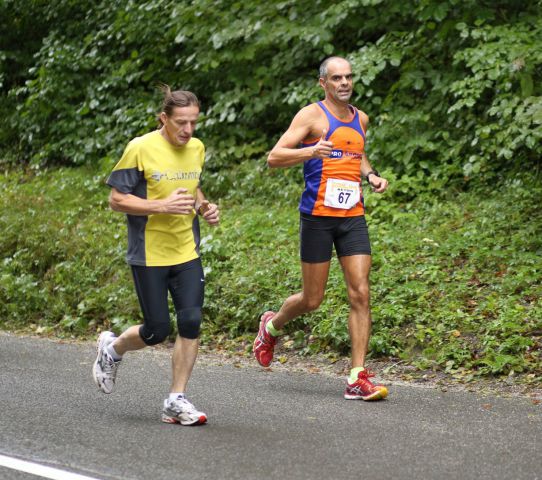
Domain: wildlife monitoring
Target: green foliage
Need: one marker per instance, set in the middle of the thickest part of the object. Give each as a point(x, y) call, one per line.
point(452, 87)
point(456, 282)
point(461, 281)
point(62, 253)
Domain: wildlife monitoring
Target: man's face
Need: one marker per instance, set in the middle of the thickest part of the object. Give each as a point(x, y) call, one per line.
point(180, 125)
point(338, 82)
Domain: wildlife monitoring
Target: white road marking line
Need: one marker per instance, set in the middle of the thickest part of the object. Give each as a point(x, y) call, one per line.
point(40, 470)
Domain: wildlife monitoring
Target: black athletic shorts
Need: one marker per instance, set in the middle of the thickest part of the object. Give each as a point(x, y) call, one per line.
point(185, 282)
point(318, 235)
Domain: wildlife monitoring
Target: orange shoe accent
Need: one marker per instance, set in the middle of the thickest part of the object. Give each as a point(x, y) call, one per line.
point(364, 389)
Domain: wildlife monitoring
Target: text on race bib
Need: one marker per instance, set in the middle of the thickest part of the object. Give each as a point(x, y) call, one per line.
point(341, 194)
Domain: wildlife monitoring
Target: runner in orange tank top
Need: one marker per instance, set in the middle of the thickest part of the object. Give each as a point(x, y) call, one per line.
point(331, 134)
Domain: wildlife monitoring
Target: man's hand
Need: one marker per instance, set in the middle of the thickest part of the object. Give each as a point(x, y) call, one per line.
point(323, 147)
point(179, 202)
point(209, 212)
point(379, 184)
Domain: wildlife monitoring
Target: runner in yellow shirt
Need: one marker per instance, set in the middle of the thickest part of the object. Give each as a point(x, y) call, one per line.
point(156, 184)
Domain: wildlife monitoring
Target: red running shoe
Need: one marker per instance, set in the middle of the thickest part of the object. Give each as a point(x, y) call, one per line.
point(264, 344)
point(364, 389)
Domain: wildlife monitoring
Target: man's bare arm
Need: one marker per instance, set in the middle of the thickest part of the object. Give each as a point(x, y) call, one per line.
point(378, 183)
point(179, 202)
point(285, 153)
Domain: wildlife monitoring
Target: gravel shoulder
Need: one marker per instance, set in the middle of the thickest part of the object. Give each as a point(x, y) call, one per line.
point(388, 371)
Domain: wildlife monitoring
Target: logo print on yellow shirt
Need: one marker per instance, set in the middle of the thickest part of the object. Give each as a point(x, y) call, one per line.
point(170, 175)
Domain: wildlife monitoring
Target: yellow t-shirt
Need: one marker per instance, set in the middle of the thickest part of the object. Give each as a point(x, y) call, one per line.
point(152, 168)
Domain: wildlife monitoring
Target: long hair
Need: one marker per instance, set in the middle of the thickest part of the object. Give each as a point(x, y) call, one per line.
point(177, 98)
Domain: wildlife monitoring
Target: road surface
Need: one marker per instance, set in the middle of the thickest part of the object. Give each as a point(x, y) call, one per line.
point(262, 425)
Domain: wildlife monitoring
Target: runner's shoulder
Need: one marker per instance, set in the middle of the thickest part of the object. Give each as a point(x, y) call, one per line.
point(310, 116)
point(196, 143)
point(312, 110)
point(363, 117)
point(142, 140)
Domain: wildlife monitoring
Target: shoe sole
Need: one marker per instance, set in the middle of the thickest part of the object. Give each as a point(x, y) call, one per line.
point(101, 339)
point(172, 420)
point(380, 395)
point(261, 363)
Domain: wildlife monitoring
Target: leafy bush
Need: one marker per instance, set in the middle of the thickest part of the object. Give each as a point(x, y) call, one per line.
point(452, 87)
point(453, 91)
point(62, 253)
point(456, 282)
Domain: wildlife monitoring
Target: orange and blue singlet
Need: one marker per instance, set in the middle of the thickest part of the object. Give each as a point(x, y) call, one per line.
point(343, 165)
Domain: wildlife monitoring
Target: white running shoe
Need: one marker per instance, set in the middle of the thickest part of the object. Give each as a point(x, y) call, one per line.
point(183, 412)
point(104, 369)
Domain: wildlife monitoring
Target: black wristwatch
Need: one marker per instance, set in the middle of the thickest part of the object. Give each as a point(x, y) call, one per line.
point(372, 172)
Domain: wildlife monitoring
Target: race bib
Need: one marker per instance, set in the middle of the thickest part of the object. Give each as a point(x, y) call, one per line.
point(341, 194)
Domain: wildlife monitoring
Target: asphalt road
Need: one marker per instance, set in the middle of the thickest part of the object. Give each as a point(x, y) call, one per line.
point(262, 425)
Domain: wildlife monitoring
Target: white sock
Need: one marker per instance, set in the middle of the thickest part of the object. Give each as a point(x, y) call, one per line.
point(112, 352)
point(175, 396)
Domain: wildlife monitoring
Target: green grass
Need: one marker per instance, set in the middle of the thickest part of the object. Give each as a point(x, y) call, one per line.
point(456, 280)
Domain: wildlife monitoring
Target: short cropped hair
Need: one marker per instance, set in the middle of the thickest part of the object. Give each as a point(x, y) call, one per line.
point(324, 64)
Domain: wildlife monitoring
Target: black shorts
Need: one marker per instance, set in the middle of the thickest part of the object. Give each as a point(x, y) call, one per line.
point(185, 282)
point(318, 235)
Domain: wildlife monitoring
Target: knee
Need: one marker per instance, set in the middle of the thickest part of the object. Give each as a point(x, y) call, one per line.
point(189, 322)
point(155, 334)
point(313, 302)
point(359, 296)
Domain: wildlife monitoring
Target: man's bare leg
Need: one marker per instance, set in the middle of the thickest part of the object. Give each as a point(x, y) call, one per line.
point(129, 340)
point(177, 409)
point(314, 285)
point(356, 270)
point(184, 356)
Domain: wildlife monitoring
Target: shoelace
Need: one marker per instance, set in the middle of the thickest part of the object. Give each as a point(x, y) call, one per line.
point(110, 366)
point(268, 339)
point(182, 405)
point(368, 373)
point(365, 379)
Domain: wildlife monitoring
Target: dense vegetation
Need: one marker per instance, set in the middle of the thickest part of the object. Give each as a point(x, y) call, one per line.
point(454, 92)
point(456, 282)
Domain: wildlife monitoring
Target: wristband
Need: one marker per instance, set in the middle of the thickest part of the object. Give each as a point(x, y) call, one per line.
point(203, 208)
point(372, 172)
